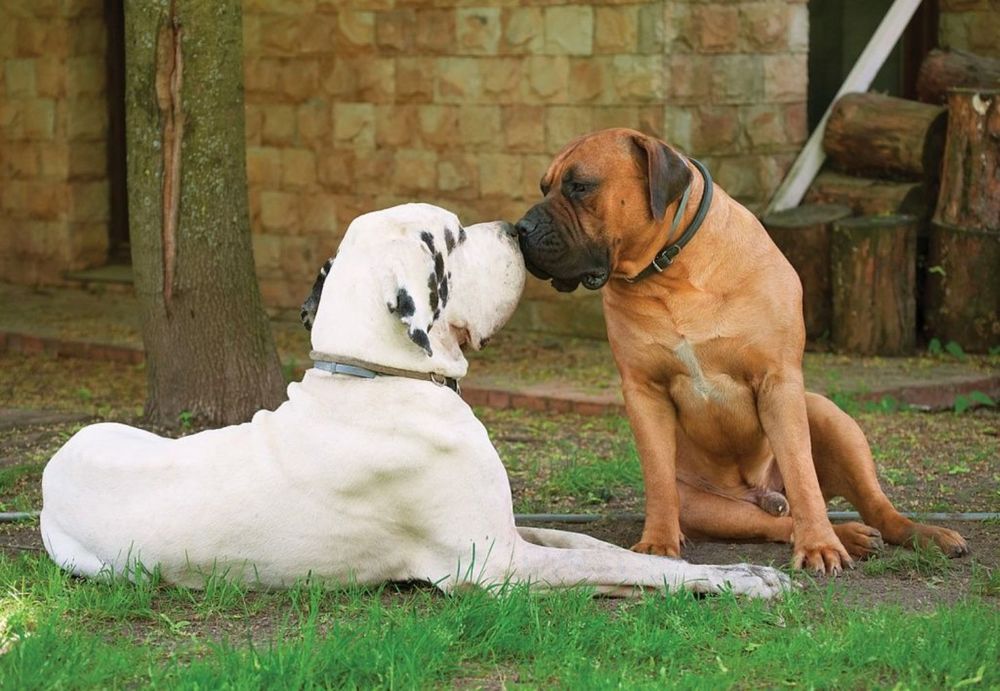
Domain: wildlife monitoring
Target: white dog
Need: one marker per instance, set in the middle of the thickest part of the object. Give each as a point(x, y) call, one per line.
point(358, 476)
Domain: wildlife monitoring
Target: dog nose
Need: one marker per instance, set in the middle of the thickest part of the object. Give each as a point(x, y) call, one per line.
point(521, 227)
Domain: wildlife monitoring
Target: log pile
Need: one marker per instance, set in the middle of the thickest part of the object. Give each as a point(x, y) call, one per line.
point(921, 256)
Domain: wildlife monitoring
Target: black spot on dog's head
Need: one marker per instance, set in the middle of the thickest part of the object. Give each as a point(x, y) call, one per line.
point(439, 267)
point(428, 240)
point(432, 289)
point(461, 235)
point(443, 292)
point(404, 304)
point(449, 240)
point(419, 336)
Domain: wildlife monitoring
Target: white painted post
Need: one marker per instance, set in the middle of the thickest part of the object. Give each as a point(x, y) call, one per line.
point(811, 158)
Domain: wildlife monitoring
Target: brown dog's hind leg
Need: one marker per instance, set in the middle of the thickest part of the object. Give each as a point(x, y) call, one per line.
point(845, 468)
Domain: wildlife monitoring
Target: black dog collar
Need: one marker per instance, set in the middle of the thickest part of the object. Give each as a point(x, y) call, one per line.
point(366, 370)
point(666, 256)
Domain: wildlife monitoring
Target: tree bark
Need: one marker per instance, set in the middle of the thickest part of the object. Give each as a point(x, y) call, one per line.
point(868, 196)
point(803, 236)
point(885, 137)
point(963, 287)
point(209, 350)
point(873, 260)
point(949, 69)
point(970, 180)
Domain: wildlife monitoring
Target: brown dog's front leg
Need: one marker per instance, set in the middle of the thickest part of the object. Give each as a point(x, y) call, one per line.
point(653, 420)
point(781, 406)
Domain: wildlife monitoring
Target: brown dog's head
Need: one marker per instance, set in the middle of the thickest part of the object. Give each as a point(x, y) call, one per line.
point(598, 188)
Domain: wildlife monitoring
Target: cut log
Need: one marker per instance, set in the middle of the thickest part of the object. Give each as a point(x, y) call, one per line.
point(970, 179)
point(949, 69)
point(868, 196)
point(873, 272)
point(885, 137)
point(963, 287)
point(803, 236)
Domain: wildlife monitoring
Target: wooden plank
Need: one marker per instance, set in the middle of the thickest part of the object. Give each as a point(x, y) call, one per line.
point(811, 158)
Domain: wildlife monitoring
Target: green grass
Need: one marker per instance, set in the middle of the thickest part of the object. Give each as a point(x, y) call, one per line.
point(927, 562)
point(61, 632)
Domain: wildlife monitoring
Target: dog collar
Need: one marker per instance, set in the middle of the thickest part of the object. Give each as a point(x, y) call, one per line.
point(666, 256)
point(366, 370)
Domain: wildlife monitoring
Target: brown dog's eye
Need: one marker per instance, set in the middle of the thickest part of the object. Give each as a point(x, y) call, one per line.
point(544, 188)
point(577, 189)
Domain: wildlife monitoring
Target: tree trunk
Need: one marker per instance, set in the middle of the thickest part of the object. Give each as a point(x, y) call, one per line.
point(874, 264)
point(963, 287)
point(970, 180)
point(943, 69)
point(209, 350)
point(867, 196)
point(883, 136)
point(803, 236)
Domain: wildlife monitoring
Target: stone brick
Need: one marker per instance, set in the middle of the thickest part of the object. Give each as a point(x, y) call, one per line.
point(19, 78)
point(38, 38)
point(798, 28)
point(87, 36)
point(569, 30)
point(355, 32)
point(500, 175)
point(458, 80)
point(589, 77)
point(785, 77)
point(415, 172)
point(370, 79)
point(652, 29)
point(523, 30)
point(48, 201)
point(458, 175)
point(765, 26)
point(438, 125)
point(524, 128)
point(313, 121)
point(500, 78)
point(716, 28)
point(738, 175)
point(565, 123)
point(318, 34)
point(393, 30)
point(354, 123)
point(638, 78)
point(90, 201)
point(298, 168)
point(86, 118)
point(983, 32)
point(479, 127)
point(300, 79)
point(262, 75)
point(319, 216)
point(50, 77)
point(291, 7)
point(373, 172)
point(716, 130)
point(796, 123)
point(279, 124)
point(533, 168)
point(39, 119)
point(21, 160)
point(478, 30)
point(737, 78)
point(298, 257)
point(395, 125)
point(547, 78)
point(650, 121)
point(266, 252)
point(251, 34)
point(765, 126)
point(279, 210)
point(616, 29)
point(54, 159)
point(415, 80)
point(85, 76)
point(280, 35)
point(263, 166)
point(253, 123)
point(678, 127)
point(88, 160)
point(8, 37)
point(11, 118)
point(436, 33)
point(88, 247)
point(336, 169)
point(689, 78)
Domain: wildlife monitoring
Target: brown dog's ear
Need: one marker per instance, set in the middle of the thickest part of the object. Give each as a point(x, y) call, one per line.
point(666, 173)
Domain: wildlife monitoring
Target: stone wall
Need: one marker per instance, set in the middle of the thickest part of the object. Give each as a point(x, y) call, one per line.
point(53, 121)
point(972, 25)
point(356, 106)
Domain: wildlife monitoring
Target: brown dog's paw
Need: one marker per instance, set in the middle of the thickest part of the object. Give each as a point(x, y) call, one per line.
point(660, 548)
point(820, 551)
point(948, 541)
point(860, 540)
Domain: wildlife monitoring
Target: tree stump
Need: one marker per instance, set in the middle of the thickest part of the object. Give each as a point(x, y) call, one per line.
point(803, 236)
point(970, 179)
point(868, 196)
point(948, 69)
point(873, 272)
point(883, 136)
point(963, 287)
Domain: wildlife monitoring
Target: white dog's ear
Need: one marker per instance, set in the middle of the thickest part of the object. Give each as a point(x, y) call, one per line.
point(419, 292)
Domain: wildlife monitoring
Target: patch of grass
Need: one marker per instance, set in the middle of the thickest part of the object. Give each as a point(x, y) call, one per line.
point(919, 562)
point(985, 580)
point(56, 636)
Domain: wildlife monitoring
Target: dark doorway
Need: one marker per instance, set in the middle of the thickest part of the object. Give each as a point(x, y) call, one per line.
point(118, 246)
point(839, 31)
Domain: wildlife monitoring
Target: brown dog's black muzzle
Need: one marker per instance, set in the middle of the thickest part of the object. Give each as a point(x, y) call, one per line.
point(550, 254)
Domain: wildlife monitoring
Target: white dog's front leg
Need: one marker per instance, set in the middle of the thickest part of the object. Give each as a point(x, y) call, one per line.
point(563, 539)
point(622, 572)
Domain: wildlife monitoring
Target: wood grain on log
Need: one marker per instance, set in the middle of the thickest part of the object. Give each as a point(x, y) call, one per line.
point(948, 69)
point(869, 196)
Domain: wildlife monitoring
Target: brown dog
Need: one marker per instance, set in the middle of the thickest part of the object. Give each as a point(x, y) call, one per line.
point(709, 347)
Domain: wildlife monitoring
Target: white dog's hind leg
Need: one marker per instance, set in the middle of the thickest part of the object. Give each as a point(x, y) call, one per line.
point(563, 539)
point(67, 552)
point(622, 572)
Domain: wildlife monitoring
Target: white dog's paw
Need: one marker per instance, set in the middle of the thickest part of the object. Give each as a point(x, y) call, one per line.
point(747, 579)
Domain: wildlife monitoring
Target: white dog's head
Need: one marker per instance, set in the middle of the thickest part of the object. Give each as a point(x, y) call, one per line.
point(410, 286)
